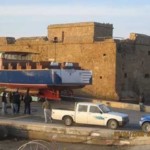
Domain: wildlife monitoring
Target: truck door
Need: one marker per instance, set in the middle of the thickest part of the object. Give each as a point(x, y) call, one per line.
point(95, 116)
point(81, 114)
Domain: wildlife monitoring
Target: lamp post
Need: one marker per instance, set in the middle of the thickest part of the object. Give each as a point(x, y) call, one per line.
point(55, 41)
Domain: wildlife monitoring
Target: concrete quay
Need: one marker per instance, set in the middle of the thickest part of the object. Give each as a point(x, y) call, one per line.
point(33, 127)
point(73, 134)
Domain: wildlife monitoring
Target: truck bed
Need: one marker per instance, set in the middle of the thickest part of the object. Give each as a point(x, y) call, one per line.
point(59, 113)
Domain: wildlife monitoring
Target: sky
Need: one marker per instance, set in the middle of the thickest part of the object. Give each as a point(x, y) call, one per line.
point(28, 18)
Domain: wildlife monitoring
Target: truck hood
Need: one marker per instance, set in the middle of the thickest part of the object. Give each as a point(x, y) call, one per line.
point(145, 117)
point(118, 114)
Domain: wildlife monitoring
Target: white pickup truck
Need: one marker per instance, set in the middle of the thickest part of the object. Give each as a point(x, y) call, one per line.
point(92, 114)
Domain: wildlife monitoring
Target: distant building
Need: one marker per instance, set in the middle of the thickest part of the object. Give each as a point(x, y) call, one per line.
point(120, 67)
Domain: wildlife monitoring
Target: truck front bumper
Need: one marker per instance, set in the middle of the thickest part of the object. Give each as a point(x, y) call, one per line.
point(124, 122)
point(140, 122)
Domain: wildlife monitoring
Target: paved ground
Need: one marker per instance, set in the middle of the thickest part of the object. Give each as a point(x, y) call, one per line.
point(37, 117)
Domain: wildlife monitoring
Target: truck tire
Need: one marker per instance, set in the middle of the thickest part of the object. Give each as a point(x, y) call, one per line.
point(112, 124)
point(146, 127)
point(68, 121)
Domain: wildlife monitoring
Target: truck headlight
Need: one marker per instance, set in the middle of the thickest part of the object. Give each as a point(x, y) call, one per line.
point(142, 118)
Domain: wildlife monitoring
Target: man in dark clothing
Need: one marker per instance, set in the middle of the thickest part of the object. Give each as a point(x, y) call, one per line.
point(11, 101)
point(16, 102)
point(4, 102)
point(141, 102)
point(27, 101)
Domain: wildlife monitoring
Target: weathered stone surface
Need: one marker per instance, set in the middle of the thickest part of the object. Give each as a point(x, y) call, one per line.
point(7, 40)
point(79, 32)
point(140, 38)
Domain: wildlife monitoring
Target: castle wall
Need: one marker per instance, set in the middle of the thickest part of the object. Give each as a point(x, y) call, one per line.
point(103, 31)
point(98, 57)
point(120, 67)
point(7, 40)
point(79, 32)
point(133, 61)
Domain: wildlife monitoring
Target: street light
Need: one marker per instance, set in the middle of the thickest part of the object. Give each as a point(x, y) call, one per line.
point(55, 41)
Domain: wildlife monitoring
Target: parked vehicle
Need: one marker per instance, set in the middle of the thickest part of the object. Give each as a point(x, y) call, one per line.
point(91, 114)
point(145, 123)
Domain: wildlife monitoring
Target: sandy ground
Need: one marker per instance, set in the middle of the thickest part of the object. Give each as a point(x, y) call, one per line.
point(15, 144)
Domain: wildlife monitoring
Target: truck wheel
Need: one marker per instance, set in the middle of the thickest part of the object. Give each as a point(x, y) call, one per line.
point(68, 121)
point(146, 127)
point(112, 124)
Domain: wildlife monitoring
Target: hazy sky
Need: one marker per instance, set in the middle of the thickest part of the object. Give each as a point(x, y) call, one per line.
point(20, 18)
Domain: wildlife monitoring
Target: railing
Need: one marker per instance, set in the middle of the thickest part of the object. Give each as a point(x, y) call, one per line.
point(18, 65)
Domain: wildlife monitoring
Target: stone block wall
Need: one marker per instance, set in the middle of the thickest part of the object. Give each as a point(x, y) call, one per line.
point(7, 40)
point(79, 32)
point(102, 31)
point(140, 38)
point(133, 61)
point(98, 57)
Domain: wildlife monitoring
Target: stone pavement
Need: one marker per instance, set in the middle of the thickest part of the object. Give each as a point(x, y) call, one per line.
point(33, 127)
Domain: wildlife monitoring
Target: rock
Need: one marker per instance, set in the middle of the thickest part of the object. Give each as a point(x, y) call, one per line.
point(3, 132)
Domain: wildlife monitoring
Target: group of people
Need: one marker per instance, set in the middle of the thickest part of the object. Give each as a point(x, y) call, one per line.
point(15, 100)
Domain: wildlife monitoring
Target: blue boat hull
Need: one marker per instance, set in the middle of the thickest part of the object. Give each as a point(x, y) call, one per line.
point(43, 78)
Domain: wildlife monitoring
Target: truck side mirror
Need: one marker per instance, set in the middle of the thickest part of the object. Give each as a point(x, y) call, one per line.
point(100, 112)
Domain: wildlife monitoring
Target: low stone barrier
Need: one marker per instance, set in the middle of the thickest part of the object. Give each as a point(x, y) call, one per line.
point(121, 105)
point(53, 132)
point(115, 104)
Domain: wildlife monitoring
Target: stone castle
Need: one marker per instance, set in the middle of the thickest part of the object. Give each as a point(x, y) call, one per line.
point(120, 67)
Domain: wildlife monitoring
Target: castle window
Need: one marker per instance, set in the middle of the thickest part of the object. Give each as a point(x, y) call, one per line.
point(104, 54)
point(62, 36)
point(148, 52)
point(125, 75)
point(100, 77)
point(146, 75)
point(142, 62)
point(119, 48)
point(55, 39)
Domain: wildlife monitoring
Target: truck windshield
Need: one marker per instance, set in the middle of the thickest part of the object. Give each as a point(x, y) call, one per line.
point(104, 108)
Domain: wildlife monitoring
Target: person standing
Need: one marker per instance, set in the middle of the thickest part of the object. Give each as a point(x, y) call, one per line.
point(27, 101)
point(17, 95)
point(47, 111)
point(141, 102)
point(4, 103)
point(16, 102)
point(11, 101)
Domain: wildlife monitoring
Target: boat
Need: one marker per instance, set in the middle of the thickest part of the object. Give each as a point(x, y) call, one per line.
point(48, 79)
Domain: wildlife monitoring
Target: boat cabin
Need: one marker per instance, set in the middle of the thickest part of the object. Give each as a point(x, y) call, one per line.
point(14, 60)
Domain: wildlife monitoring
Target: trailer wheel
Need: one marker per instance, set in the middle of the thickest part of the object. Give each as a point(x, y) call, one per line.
point(68, 121)
point(146, 127)
point(112, 124)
